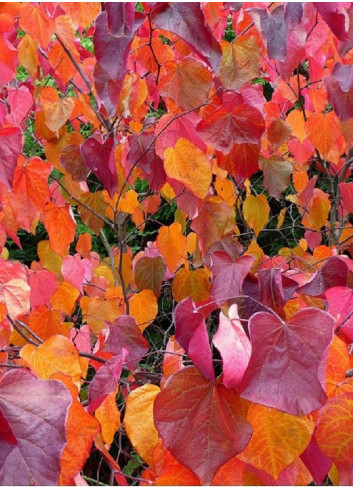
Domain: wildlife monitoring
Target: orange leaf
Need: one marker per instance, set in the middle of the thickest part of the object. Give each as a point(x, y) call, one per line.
point(108, 416)
point(336, 368)
point(30, 182)
point(46, 323)
point(57, 113)
point(27, 54)
point(188, 164)
point(187, 82)
point(144, 308)
point(240, 62)
point(172, 245)
point(57, 354)
point(278, 439)
point(81, 428)
point(323, 130)
point(334, 430)
point(195, 284)
point(82, 13)
point(61, 227)
point(138, 420)
point(34, 20)
point(64, 299)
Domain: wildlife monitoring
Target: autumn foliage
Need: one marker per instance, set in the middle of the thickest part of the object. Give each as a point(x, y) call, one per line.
point(176, 270)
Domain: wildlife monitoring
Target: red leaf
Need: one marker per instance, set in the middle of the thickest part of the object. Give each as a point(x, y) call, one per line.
point(124, 334)
point(283, 369)
point(36, 412)
point(191, 334)
point(10, 148)
point(228, 275)
point(222, 129)
point(202, 424)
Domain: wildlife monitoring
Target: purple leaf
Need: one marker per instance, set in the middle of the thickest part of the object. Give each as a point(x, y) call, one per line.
point(191, 334)
point(35, 411)
point(124, 334)
point(234, 347)
point(283, 368)
point(100, 158)
point(339, 86)
point(187, 21)
point(334, 273)
point(275, 289)
point(228, 275)
point(10, 148)
point(293, 14)
point(274, 27)
point(105, 381)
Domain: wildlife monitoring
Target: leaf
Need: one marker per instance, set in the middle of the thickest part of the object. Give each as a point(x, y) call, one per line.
point(57, 354)
point(228, 275)
point(105, 382)
point(211, 223)
point(188, 164)
point(36, 22)
point(82, 13)
point(240, 62)
point(316, 461)
point(57, 113)
point(64, 299)
point(278, 133)
point(125, 335)
point(138, 420)
point(72, 161)
point(277, 173)
point(10, 148)
point(15, 295)
point(187, 83)
point(336, 367)
point(43, 285)
point(46, 322)
point(61, 227)
point(274, 29)
point(190, 400)
point(334, 433)
point(323, 131)
point(195, 284)
point(96, 202)
point(333, 273)
point(187, 21)
point(283, 368)
point(149, 273)
point(100, 158)
point(81, 429)
point(108, 416)
point(256, 212)
point(27, 54)
point(171, 244)
point(241, 160)
point(144, 308)
point(222, 129)
point(30, 181)
point(27, 402)
point(278, 439)
point(234, 347)
point(191, 334)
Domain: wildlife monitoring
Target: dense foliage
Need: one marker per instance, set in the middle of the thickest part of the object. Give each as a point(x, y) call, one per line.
point(176, 239)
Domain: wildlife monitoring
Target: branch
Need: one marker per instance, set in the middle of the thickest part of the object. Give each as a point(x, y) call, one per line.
point(21, 333)
point(110, 254)
point(88, 83)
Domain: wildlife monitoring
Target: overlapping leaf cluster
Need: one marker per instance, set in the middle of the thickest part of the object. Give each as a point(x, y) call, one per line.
point(188, 316)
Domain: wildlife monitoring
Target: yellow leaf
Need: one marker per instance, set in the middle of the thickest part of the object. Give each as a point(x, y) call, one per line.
point(48, 258)
point(57, 354)
point(139, 423)
point(256, 212)
point(278, 439)
point(188, 164)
